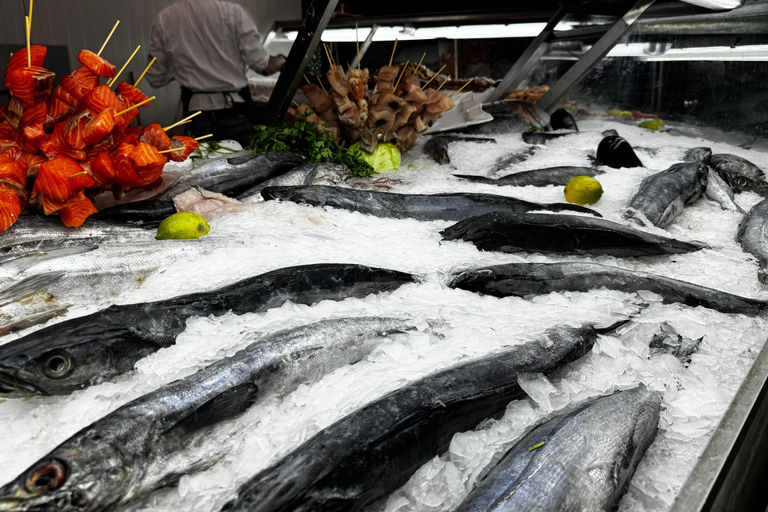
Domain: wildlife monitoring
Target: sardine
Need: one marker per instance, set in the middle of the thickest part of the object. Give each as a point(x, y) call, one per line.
point(536, 177)
point(753, 239)
point(155, 439)
point(555, 233)
point(449, 206)
point(616, 152)
point(740, 183)
point(663, 195)
point(544, 137)
point(437, 146)
point(732, 163)
point(581, 460)
point(698, 155)
point(230, 177)
point(720, 192)
point(323, 173)
point(525, 279)
point(91, 349)
point(372, 451)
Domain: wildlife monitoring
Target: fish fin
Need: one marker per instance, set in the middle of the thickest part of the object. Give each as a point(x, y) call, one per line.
point(228, 404)
point(28, 259)
point(31, 320)
point(28, 286)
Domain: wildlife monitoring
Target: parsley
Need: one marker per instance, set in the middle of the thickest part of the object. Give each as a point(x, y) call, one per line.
point(301, 138)
point(208, 147)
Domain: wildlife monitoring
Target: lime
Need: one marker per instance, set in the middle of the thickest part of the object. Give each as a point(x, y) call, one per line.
point(614, 112)
point(182, 226)
point(627, 114)
point(583, 190)
point(652, 124)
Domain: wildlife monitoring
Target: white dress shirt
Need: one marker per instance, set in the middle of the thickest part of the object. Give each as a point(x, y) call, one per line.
point(207, 46)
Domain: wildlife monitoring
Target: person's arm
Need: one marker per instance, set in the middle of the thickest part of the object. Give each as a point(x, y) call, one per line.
point(161, 73)
point(249, 43)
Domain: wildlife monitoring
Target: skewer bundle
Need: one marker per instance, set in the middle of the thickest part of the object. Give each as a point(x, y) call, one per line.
point(75, 136)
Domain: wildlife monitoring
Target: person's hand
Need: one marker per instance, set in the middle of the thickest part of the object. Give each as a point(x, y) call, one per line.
point(275, 64)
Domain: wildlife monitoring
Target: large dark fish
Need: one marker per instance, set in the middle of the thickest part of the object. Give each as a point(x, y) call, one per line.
point(88, 350)
point(753, 237)
point(578, 461)
point(311, 173)
point(740, 183)
point(544, 137)
point(230, 177)
point(536, 177)
point(449, 206)
point(155, 439)
point(376, 449)
point(662, 196)
point(543, 232)
point(437, 146)
point(616, 152)
point(524, 279)
point(732, 163)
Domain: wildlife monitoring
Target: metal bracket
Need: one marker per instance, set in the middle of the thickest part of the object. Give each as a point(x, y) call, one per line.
point(528, 60)
point(593, 56)
point(315, 20)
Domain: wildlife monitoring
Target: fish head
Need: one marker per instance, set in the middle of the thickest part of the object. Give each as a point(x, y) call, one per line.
point(737, 181)
point(83, 474)
point(70, 356)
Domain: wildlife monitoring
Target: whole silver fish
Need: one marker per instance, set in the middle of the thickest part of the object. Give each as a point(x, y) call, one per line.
point(719, 191)
point(536, 177)
point(737, 164)
point(153, 440)
point(753, 239)
point(577, 461)
point(527, 279)
point(323, 173)
point(663, 195)
point(41, 233)
point(374, 450)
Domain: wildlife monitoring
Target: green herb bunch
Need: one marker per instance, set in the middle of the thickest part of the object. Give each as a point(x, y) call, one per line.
point(301, 138)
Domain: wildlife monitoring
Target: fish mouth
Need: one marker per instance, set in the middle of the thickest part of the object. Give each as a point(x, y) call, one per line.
point(12, 387)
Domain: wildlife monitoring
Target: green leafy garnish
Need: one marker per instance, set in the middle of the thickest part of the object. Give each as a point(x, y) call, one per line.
point(301, 138)
point(208, 147)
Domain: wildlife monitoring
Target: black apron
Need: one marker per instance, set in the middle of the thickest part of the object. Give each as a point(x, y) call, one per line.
point(231, 123)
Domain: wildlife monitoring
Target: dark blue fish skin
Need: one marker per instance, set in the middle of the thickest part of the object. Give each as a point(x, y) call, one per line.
point(558, 233)
point(376, 449)
point(450, 206)
point(88, 350)
point(526, 279)
point(735, 164)
point(581, 460)
point(236, 176)
point(536, 177)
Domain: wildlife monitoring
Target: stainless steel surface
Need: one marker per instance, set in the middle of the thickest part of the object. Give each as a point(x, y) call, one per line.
point(593, 56)
point(526, 62)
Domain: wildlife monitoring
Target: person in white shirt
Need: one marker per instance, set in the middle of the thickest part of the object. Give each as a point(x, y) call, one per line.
point(207, 46)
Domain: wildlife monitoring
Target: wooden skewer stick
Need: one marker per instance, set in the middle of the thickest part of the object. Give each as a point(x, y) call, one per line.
point(357, 43)
point(294, 102)
point(433, 77)
point(171, 150)
point(444, 82)
point(29, 51)
point(114, 80)
point(31, 6)
point(135, 106)
point(307, 79)
point(328, 55)
point(322, 86)
point(78, 174)
point(183, 121)
point(393, 53)
point(108, 38)
point(401, 76)
point(462, 87)
point(422, 60)
point(145, 71)
point(204, 136)
point(265, 98)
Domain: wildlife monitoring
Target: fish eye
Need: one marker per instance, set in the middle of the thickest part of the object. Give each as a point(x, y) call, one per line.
point(46, 478)
point(57, 366)
point(742, 182)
